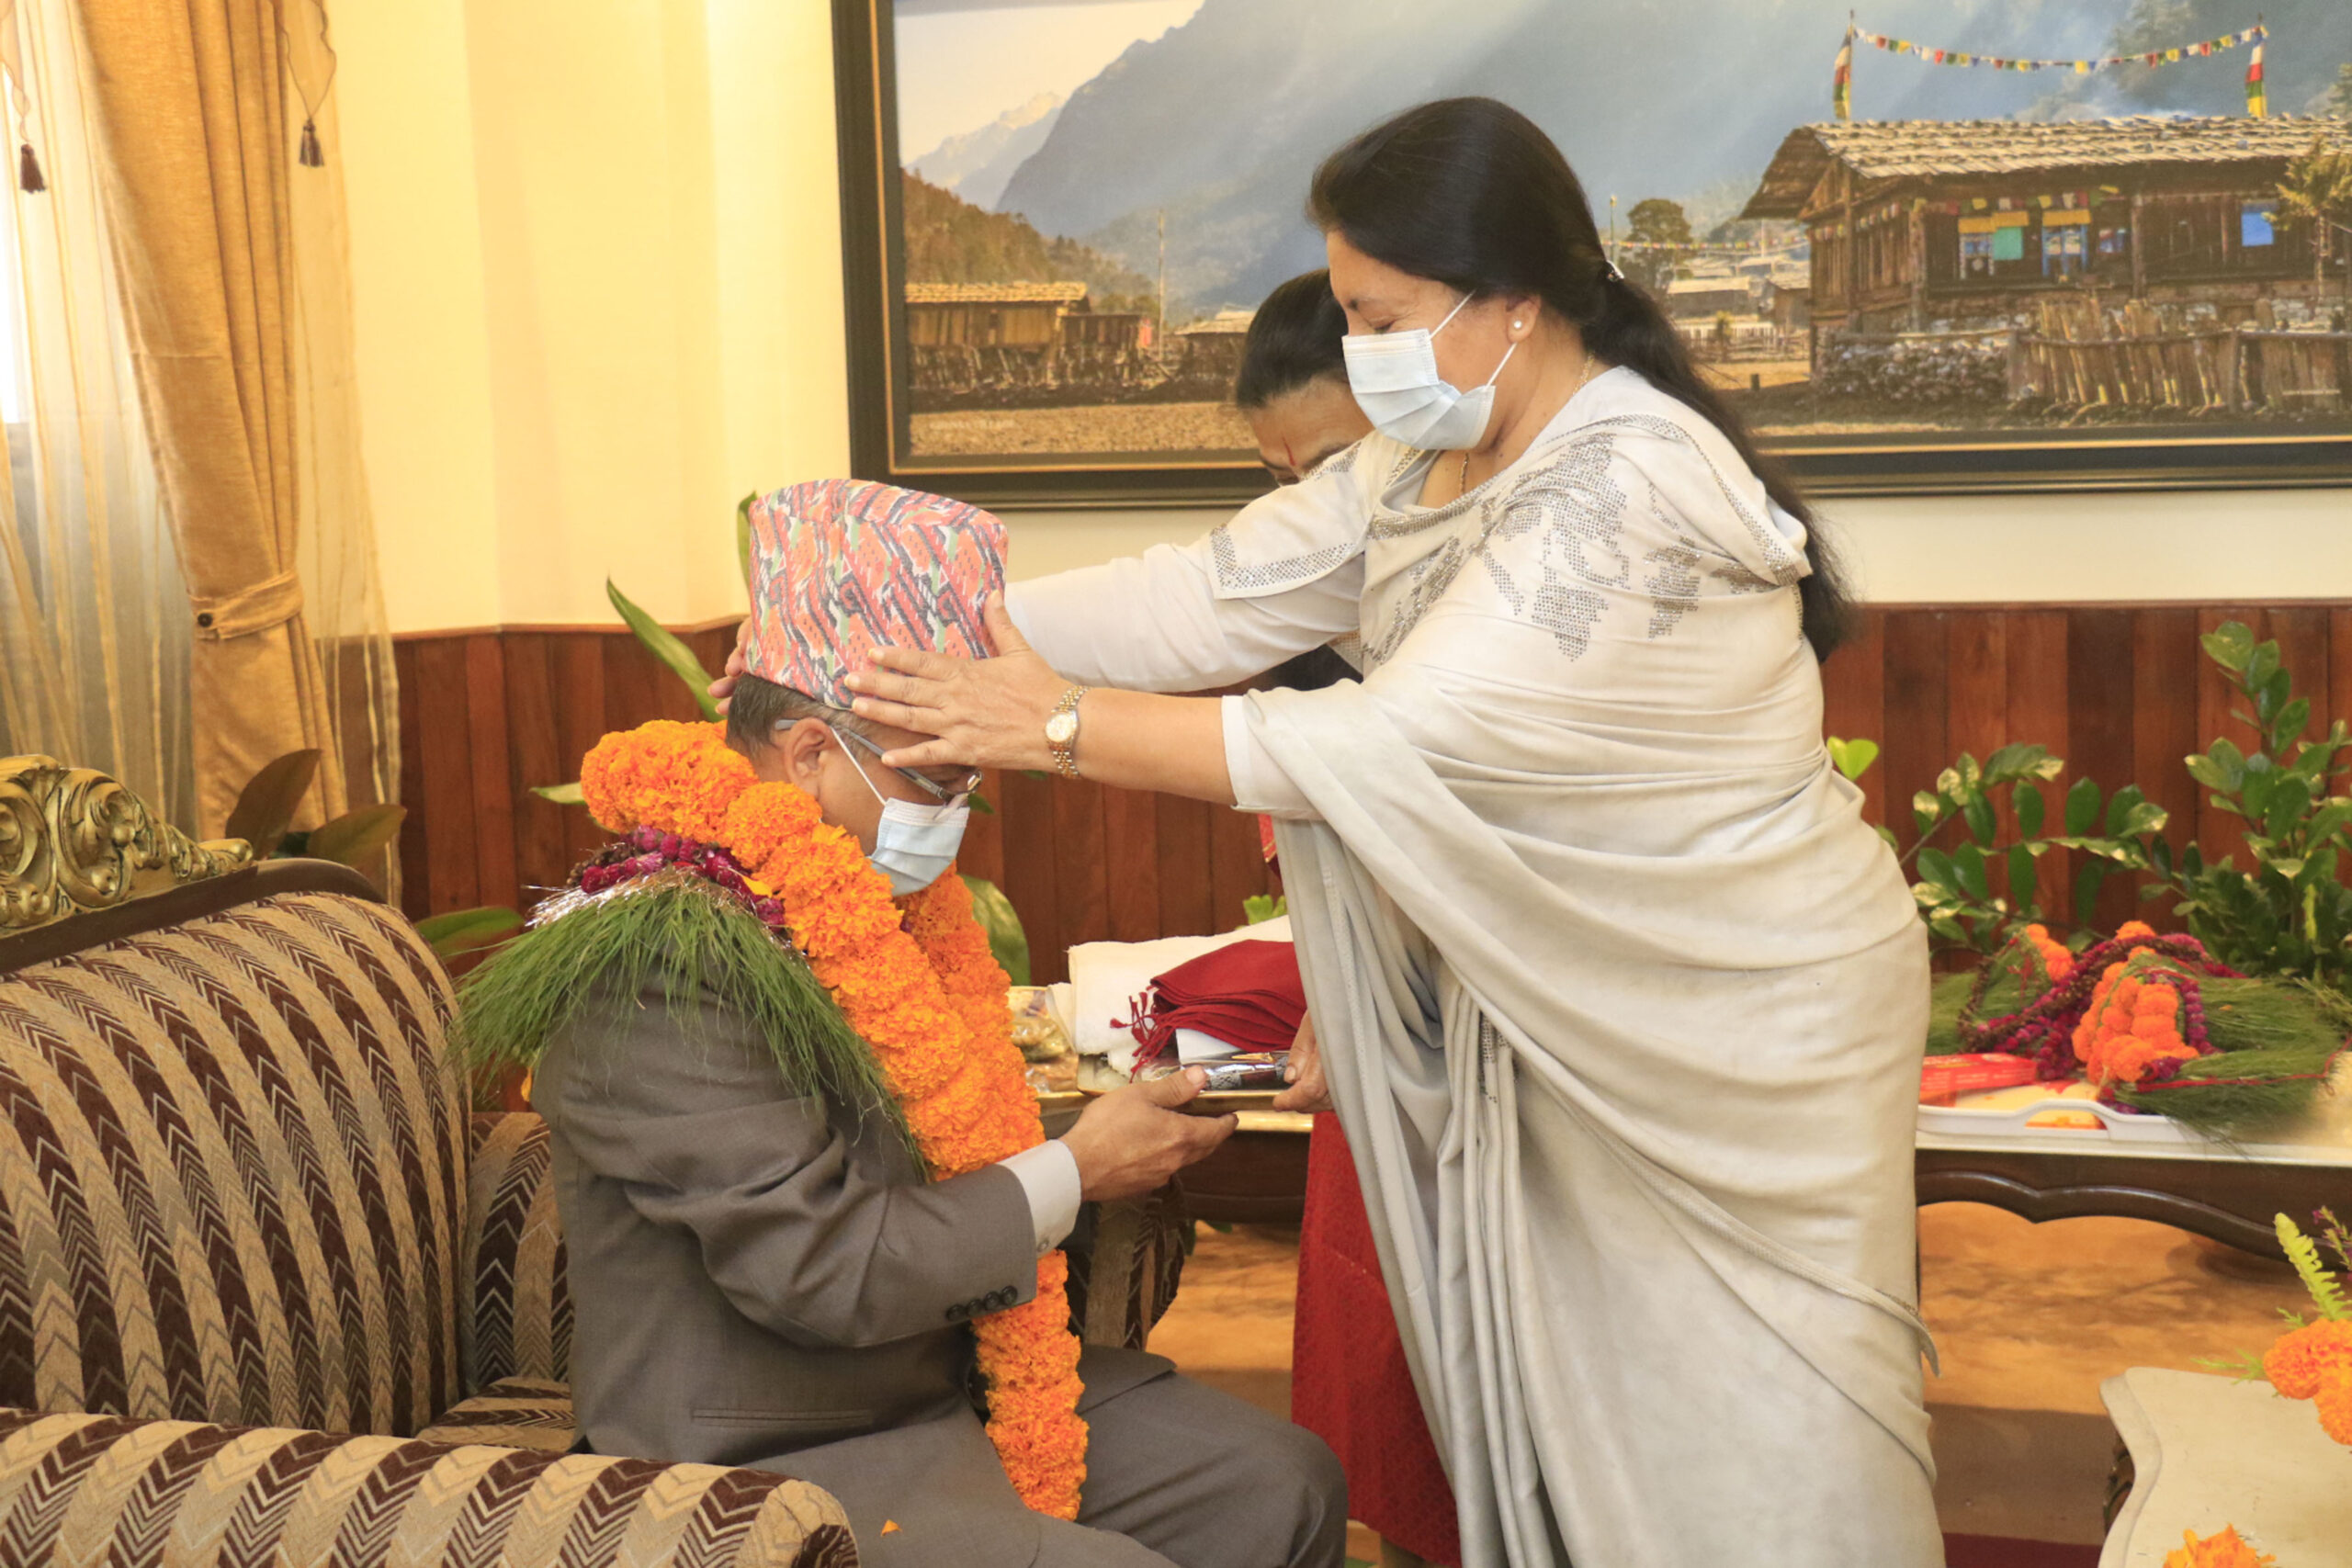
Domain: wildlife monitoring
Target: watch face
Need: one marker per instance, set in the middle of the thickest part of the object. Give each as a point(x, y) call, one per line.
point(1062, 729)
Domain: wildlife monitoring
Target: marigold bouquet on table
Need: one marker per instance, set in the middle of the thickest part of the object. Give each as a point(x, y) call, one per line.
point(2153, 1023)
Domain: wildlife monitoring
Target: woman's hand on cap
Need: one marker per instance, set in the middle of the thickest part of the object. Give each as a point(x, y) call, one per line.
point(723, 688)
point(987, 713)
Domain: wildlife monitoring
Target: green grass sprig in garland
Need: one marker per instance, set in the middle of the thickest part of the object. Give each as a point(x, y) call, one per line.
point(676, 936)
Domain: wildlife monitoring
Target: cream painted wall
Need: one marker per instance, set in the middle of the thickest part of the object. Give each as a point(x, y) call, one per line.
point(597, 294)
point(596, 279)
point(2186, 545)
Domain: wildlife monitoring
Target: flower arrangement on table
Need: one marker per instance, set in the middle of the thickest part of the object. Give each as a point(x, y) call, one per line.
point(2152, 1023)
point(2313, 1361)
point(924, 998)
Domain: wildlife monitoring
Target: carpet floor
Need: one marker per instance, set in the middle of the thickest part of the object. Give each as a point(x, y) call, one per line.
point(2029, 1319)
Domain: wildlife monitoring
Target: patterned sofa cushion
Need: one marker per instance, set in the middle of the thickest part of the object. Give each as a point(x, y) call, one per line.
point(514, 1319)
point(81, 1488)
point(513, 1413)
point(232, 1174)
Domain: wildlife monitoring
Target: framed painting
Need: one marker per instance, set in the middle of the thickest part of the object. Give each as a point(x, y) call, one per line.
point(2008, 245)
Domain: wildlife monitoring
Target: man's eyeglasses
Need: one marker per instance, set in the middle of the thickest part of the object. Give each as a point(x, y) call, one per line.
point(944, 794)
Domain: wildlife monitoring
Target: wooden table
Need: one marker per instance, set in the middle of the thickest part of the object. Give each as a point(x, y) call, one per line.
point(1259, 1177)
point(2231, 1195)
point(2207, 1451)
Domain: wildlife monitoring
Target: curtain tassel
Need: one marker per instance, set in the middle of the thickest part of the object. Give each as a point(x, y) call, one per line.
point(311, 156)
point(28, 176)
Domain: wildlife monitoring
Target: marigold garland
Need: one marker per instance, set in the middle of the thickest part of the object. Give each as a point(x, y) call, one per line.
point(918, 984)
point(2227, 1549)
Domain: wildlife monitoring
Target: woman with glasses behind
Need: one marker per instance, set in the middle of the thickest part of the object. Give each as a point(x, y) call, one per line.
point(1349, 1383)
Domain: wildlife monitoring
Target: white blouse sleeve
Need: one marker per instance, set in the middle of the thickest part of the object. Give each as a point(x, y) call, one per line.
point(1283, 576)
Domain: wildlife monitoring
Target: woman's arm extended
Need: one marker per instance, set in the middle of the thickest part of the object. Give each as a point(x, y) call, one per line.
point(992, 713)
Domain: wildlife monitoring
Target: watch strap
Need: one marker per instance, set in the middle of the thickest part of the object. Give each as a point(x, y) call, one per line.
point(1065, 750)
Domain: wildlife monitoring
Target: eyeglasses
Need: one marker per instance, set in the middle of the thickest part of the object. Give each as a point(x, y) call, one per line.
point(944, 794)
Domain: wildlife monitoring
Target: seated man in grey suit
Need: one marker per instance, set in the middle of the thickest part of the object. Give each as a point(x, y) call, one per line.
point(761, 1273)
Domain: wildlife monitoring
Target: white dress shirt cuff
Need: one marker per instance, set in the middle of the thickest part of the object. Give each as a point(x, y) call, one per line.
point(1258, 783)
point(1048, 1173)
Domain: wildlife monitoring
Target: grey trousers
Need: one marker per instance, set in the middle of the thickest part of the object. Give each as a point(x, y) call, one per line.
point(1177, 1474)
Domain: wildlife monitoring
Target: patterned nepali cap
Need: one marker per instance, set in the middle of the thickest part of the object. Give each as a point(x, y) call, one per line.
point(842, 566)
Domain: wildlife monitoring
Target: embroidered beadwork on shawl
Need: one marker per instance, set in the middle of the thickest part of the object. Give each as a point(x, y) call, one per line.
point(1428, 581)
point(1234, 577)
point(1788, 565)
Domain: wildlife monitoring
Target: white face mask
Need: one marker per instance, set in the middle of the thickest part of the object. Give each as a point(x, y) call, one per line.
point(913, 845)
point(1395, 379)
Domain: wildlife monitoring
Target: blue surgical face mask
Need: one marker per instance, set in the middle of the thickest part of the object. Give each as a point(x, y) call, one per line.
point(913, 845)
point(1395, 379)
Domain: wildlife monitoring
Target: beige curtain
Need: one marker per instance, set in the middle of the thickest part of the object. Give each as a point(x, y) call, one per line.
point(93, 625)
point(196, 119)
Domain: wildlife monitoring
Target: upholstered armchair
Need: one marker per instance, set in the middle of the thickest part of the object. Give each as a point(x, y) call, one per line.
point(269, 1297)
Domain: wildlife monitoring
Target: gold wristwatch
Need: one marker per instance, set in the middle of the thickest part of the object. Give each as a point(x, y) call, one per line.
point(1061, 731)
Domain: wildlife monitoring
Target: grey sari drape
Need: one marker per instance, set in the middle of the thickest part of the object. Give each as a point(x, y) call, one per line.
point(1622, 1001)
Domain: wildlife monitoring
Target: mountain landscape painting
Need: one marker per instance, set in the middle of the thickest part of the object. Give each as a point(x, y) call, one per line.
point(2038, 223)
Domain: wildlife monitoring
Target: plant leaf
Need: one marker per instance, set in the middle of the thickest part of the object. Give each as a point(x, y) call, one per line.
point(2087, 882)
point(2024, 882)
point(460, 930)
point(2229, 645)
point(562, 794)
point(2293, 720)
point(268, 803)
point(1852, 758)
point(1007, 940)
point(1936, 871)
point(355, 836)
point(2082, 806)
point(1968, 864)
point(1981, 825)
point(2030, 807)
point(673, 655)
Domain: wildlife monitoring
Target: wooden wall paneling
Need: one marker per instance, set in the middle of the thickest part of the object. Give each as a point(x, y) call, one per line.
point(1131, 857)
point(2165, 657)
point(1917, 739)
point(1081, 873)
point(581, 712)
point(2339, 675)
point(2219, 832)
point(445, 777)
point(2039, 712)
point(1853, 700)
point(416, 898)
point(2099, 730)
point(636, 688)
point(1187, 903)
point(2303, 634)
point(1976, 706)
point(1027, 806)
point(1237, 865)
point(982, 854)
point(487, 729)
point(542, 855)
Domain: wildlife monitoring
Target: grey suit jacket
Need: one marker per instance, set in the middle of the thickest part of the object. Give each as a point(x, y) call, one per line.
point(758, 1279)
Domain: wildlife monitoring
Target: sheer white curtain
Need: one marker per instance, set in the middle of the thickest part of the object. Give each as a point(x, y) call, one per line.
point(96, 625)
point(93, 622)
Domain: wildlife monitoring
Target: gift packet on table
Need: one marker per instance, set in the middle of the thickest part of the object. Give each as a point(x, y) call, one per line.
point(1044, 1037)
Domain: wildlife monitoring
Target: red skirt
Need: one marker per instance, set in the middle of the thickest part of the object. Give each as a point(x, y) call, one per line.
point(1348, 1382)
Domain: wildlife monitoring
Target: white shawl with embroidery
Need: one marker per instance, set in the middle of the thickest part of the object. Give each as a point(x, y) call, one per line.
point(1622, 1001)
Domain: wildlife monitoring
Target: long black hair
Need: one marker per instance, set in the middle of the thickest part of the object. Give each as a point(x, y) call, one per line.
point(1470, 193)
point(1294, 340)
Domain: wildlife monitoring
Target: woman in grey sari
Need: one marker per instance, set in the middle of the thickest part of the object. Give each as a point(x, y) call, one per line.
point(1620, 1001)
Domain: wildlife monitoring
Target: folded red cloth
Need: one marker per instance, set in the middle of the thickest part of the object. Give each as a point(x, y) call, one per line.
point(1247, 994)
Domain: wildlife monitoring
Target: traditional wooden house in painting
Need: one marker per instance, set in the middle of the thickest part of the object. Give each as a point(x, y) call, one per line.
point(1211, 348)
point(1916, 223)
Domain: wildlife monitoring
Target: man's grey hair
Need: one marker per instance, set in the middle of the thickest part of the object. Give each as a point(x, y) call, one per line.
point(759, 709)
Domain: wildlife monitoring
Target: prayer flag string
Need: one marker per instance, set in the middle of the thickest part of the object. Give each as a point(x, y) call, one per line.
point(1843, 87)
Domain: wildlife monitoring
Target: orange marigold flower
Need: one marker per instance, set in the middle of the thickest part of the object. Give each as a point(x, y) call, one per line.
point(2334, 1401)
point(2130, 928)
point(2227, 1549)
point(2301, 1356)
